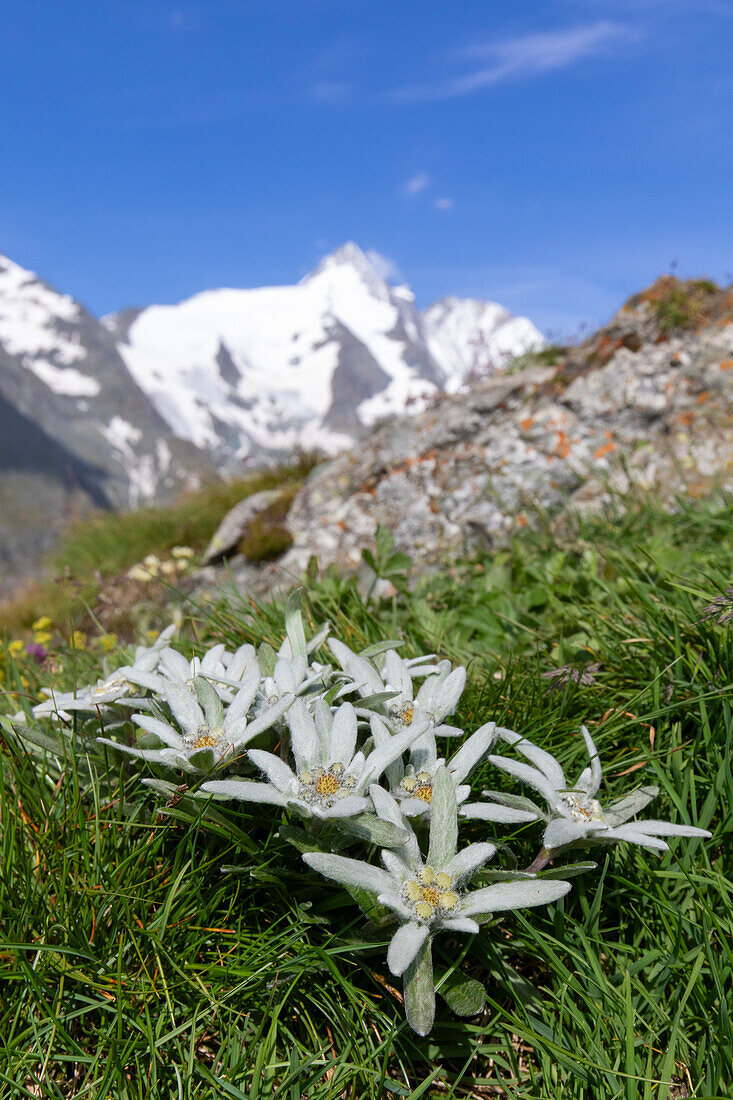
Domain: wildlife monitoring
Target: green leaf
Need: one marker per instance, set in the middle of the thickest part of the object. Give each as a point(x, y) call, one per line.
point(299, 838)
point(570, 870)
point(444, 820)
point(267, 659)
point(374, 830)
point(419, 990)
point(209, 700)
point(294, 623)
point(464, 996)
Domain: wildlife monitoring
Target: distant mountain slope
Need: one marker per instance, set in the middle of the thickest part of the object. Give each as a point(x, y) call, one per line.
point(149, 401)
point(252, 373)
point(469, 338)
point(60, 368)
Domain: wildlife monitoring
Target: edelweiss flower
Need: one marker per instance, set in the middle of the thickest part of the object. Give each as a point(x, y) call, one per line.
point(430, 896)
point(392, 685)
point(574, 815)
point(330, 778)
point(118, 685)
point(223, 670)
point(412, 785)
point(212, 736)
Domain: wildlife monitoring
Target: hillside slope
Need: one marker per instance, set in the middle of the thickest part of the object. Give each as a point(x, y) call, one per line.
point(646, 401)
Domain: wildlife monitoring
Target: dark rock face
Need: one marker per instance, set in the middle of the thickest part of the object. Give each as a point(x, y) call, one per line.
point(76, 431)
point(358, 376)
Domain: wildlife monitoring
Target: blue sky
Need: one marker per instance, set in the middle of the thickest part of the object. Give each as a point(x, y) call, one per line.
point(555, 155)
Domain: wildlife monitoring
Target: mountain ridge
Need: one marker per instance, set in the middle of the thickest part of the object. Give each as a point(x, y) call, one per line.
point(152, 400)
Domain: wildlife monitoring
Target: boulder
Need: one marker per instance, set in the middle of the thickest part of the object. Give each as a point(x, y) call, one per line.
point(233, 527)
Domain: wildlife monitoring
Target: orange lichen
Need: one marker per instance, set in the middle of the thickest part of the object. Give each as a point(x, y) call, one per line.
point(605, 450)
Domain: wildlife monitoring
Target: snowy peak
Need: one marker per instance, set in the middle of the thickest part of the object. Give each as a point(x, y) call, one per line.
point(60, 369)
point(247, 374)
point(470, 338)
point(348, 262)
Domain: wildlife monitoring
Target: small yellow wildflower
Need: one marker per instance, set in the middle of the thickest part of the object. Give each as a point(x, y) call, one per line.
point(43, 623)
point(16, 647)
point(79, 639)
point(42, 637)
point(108, 642)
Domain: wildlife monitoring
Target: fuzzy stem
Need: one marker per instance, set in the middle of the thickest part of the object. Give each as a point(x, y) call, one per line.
point(539, 862)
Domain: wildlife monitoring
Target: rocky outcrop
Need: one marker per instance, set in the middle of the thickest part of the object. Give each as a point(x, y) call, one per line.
point(647, 400)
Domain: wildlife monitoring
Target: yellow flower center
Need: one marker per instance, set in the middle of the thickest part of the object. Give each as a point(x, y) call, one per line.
point(425, 793)
point(430, 894)
point(403, 714)
point(327, 784)
point(204, 740)
point(583, 808)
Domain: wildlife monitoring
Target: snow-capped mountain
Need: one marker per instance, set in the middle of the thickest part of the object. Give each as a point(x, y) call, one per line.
point(245, 374)
point(149, 401)
point(59, 368)
point(469, 338)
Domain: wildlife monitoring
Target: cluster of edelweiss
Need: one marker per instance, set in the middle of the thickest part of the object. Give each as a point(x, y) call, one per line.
point(344, 733)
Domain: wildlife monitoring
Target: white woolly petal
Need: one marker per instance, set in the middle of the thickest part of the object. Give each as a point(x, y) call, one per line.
point(468, 859)
point(629, 834)
point(469, 754)
point(531, 776)
point(304, 740)
point(459, 924)
point(346, 807)
point(592, 784)
point(395, 865)
point(513, 895)
point(245, 790)
point(396, 904)
point(185, 709)
point(563, 830)
point(667, 828)
point(342, 738)
point(166, 733)
point(492, 811)
point(174, 664)
point(543, 760)
point(405, 945)
point(350, 872)
point(414, 807)
point(276, 770)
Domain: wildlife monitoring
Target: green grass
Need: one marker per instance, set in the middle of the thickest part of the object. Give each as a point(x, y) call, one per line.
point(133, 966)
point(110, 543)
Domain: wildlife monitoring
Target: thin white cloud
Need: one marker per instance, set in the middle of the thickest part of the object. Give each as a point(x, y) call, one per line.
point(331, 91)
point(518, 58)
point(417, 183)
point(443, 203)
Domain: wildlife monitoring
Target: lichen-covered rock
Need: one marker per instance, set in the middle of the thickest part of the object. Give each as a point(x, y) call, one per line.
point(235, 524)
point(641, 402)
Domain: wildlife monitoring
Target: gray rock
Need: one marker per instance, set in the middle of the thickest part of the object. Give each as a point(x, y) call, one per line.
point(233, 527)
point(476, 468)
